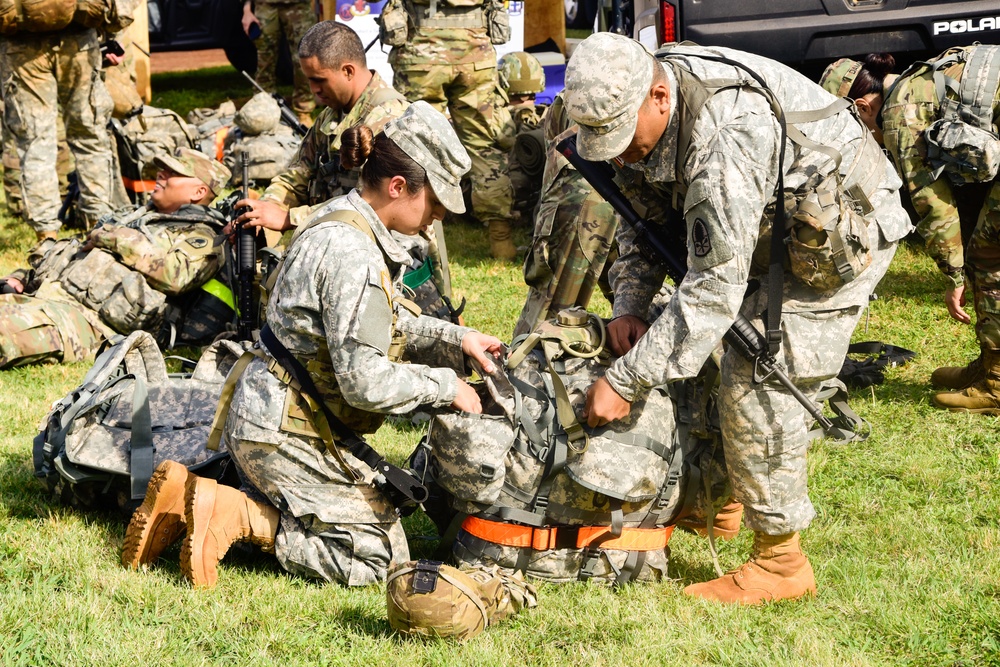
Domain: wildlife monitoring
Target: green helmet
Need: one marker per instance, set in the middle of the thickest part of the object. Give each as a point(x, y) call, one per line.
point(521, 74)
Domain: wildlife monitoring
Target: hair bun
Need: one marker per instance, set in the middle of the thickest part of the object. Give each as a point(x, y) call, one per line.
point(880, 64)
point(355, 146)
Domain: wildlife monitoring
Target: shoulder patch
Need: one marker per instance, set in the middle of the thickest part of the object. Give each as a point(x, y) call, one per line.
point(701, 239)
point(707, 243)
point(197, 242)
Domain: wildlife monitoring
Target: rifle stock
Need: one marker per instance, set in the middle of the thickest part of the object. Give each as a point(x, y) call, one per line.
point(742, 336)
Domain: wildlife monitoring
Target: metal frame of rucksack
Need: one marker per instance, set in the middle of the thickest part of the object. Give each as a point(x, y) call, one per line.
point(92, 488)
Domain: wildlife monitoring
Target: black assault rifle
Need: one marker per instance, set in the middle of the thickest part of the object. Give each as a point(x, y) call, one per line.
point(286, 113)
point(246, 261)
point(742, 335)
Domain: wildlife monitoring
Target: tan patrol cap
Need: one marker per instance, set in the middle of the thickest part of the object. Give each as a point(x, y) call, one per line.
point(606, 82)
point(195, 164)
point(423, 133)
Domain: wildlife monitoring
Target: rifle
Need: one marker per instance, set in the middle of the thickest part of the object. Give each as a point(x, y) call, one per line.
point(286, 113)
point(246, 262)
point(742, 336)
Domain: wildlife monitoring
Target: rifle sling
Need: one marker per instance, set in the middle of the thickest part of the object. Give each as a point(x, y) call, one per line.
point(399, 480)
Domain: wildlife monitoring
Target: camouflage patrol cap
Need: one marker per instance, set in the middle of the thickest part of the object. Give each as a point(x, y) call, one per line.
point(606, 82)
point(428, 138)
point(521, 74)
point(839, 76)
point(195, 164)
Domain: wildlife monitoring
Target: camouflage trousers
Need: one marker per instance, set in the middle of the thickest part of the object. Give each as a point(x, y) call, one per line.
point(35, 330)
point(12, 168)
point(982, 270)
point(573, 237)
point(765, 430)
point(332, 528)
point(42, 74)
point(470, 96)
point(292, 20)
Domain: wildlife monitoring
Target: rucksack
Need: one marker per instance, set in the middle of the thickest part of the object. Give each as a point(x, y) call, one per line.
point(99, 445)
point(269, 153)
point(144, 136)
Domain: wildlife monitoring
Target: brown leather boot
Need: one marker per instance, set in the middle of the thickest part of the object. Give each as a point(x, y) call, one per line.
point(159, 521)
point(960, 377)
point(726, 525)
point(501, 246)
point(982, 397)
point(218, 515)
point(777, 570)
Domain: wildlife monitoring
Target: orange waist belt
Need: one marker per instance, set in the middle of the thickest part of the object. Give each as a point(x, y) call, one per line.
point(565, 537)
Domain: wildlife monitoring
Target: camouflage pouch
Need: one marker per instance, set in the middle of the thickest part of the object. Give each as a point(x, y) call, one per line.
point(99, 445)
point(963, 152)
point(429, 599)
point(394, 24)
point(497, 21)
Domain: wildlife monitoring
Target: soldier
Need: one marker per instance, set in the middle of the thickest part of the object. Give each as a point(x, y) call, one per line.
point(44, 72)
point(274, 19)
point(956, 196)
point(133, 269)
point(522, 77)
point(448, 60)
point(335, 310)
point(720, 162)
point(573, 237)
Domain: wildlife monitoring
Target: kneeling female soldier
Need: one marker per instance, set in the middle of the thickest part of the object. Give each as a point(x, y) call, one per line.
point(335, 309)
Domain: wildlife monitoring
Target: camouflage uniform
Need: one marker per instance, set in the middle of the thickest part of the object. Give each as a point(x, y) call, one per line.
point(573, 237)
point(910, 108)
point(329, 308)
point(73, 298)
point(43, 72)
point(730, 170)
point(291, 18)
point(455, 69)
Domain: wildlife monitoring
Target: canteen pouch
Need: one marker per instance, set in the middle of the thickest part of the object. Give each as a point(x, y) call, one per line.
point(393, 24)
point(828, 241)
point(497, 21)
point(964, 152)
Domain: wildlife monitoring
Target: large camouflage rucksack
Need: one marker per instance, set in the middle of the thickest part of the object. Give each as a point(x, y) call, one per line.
point(532, 489)
point(100, 444)
point(211, 127)
point(144, 136)
point(269, 143)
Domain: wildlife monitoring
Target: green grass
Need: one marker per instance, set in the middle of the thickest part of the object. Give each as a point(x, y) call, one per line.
point(906, 544)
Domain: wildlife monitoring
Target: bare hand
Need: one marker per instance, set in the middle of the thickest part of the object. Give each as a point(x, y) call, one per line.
point(954, 299)
point(248, 20)
point(114, 59)
point(484, 349)
point(604, 404)
point(266, 214)
point(624, 332)
point(467, 400)
point(15, 284)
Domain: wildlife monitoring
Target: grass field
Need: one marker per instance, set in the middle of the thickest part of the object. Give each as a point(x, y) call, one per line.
point(906, 544)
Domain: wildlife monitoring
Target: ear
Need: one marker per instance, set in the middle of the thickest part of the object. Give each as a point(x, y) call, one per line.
point(863, 105)
point(349, 70)
point(199, 193)
point(659, 96)
point(396, 187)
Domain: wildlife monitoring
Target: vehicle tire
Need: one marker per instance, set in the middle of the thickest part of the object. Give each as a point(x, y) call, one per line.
point(580, 14)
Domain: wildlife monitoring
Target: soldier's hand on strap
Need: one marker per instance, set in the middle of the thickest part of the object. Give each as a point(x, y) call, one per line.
point(467, 400)
point(604, 404)
point(624, 332)
point(483, 348)
point(954, 299)
point(266, 214)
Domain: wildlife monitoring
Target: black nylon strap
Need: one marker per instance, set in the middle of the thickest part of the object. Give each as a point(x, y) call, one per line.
point(141, 441)
point(401, 488)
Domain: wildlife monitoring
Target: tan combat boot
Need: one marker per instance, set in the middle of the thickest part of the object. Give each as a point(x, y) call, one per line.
point(159, 521)
point(960, 377)
point(777, 570)
point(501, 246)
point(982, 397)
point(726, 525)
point(217, 516)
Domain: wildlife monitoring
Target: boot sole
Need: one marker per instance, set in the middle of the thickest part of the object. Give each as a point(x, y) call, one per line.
point(995, 412)
point(158, 522)
point(199, 504)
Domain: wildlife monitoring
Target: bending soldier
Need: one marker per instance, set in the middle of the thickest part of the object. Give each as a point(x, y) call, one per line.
point(134, 267)
point(335, 309)
point(718, 158)
point(948, 153)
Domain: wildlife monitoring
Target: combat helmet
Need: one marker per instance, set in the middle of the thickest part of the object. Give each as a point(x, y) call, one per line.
point(521, 74)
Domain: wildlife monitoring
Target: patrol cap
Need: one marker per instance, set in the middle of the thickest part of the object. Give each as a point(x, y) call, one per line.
point(606, 82)
point(195, 164)
point(839, 76)
point(423, 133)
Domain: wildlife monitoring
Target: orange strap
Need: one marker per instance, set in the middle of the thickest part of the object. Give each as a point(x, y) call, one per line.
point(138, 185)
point(544, 539)
point(220, 141)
